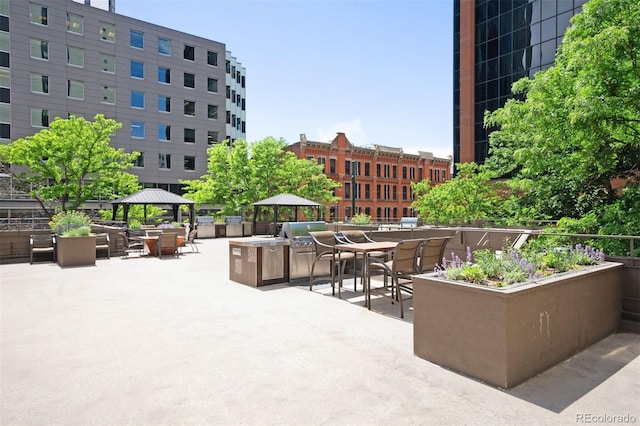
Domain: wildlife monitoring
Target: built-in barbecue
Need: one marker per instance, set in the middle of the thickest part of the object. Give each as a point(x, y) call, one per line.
point(302, 250)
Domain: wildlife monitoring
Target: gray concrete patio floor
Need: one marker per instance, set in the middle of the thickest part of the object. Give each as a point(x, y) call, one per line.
point(149, 341)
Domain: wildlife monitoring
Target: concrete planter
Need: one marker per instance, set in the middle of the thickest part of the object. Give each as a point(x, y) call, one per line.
point(76, 251)
point(506, 336)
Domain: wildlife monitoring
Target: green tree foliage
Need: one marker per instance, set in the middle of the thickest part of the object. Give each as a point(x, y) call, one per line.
point(467, 197)
point(72, 162)
point(244, 174)
point(578, 127)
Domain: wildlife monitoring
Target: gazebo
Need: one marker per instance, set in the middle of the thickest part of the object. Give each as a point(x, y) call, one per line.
point(282, 200)
point(154, 196)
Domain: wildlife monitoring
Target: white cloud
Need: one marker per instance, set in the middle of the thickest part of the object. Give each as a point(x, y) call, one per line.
point(352, 130)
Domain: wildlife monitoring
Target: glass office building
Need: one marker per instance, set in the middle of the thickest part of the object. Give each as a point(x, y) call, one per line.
point(497, 42)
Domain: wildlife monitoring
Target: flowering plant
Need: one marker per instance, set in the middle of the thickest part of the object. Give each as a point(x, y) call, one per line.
point(513, 266)
point(71, 223)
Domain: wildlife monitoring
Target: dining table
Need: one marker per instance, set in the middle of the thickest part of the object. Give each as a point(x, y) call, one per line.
point(365, 249)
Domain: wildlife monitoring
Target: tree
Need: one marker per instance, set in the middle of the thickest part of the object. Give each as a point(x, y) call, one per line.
point(72, 162)
point(469, 196)
point(239, 176)
point(577, 126)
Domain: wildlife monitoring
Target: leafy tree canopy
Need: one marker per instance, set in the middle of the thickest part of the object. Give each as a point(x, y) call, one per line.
point(239, 176)
point(72, 162)
point(578, 127)
point(467, 197)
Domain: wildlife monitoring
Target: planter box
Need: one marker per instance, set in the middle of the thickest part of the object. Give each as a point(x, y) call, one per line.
point(76, 251)
point(506, 336)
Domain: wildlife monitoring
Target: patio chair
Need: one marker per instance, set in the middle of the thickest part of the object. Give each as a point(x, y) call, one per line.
point(401, 266)
point(103, 244)
point(191, 241)
point(129, 244)
point(431, 253)
point(359, 236)
point(42, 243)
point(325, 242)
point(168, 242)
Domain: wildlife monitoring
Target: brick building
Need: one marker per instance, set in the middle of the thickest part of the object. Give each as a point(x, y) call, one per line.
point(383, 176)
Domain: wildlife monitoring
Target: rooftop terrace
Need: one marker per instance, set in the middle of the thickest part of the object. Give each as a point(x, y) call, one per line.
point(174, 341)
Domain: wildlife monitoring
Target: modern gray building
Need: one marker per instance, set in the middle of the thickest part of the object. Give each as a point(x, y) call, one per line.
point(497, 42)
point(174, 93)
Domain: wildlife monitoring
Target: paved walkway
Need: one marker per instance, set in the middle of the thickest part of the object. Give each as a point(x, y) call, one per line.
point(149, 341)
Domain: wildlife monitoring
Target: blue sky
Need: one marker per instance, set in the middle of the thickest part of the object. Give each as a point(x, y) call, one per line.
point(378, 70)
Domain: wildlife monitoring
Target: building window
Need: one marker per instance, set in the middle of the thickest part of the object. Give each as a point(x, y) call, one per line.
point(39, 117)
point(164, 46)
point(212, 112)
point(367, 169)
point(5, 95)
point(332, 166)
point(212, 137)
point(74, 23)
point(189, 53)
point(419, 173)
point(5, 78)
point(404, 192)
point(164, 132)
point(75, 56)
point(107, 63)
point(189, 163)
point(395, 171)
point(75, 89)
point(404, 172)
point(39, 49)
point(395, 192)
point(4, 59)
point(347, 190)
point(139, 160)
point(164, 161)
point(227, 67)
point(164, 103)
point(190, 135)
point(437, 175)
point(39, 83)
point(164, 75)
point(137, 129)
point(228, 117)
point(347, 167)
point(190, 108)
point(228, 92)
point(4, 21)
point(38, 14)
point(107, 31)
point(412, 173)
point(5, 131)
point(322, 162)
point(189, 80)
point(367, 191)
point(108, 95)
point(378, 169)
point(137, 69)
point(243, 104)
point(137, 99)
point(136, 39)
point(212, 58)
point(212, 85)
point(387, 170)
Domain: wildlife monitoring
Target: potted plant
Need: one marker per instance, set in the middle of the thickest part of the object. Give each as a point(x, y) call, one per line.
point(75, 245)
point(504, 317)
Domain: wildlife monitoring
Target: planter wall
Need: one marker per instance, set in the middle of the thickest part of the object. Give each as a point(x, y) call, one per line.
point(505, 336)
point(76, 251)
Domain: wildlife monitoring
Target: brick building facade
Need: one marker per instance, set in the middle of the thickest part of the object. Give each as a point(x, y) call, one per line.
point(383, 176)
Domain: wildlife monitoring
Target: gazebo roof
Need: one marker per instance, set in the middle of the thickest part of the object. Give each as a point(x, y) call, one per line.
point(153, 196)
point(286, 200)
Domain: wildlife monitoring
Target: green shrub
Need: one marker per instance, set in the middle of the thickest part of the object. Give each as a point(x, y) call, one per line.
point(71, 223)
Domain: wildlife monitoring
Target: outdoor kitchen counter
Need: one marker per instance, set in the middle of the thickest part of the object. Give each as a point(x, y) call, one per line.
point(259, 261)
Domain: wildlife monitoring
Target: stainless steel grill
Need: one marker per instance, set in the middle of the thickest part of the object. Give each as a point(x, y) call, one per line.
point(301, 248)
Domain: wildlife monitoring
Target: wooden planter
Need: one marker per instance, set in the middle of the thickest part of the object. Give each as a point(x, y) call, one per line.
point(76, 251)
point(506, 336)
